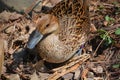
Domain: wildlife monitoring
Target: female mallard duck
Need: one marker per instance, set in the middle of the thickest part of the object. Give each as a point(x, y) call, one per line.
point(61, 32)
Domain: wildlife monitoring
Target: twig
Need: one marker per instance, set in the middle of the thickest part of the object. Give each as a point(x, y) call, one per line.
point(6, 27)
point(72, 62)
point(97, 48)
point(66, 69)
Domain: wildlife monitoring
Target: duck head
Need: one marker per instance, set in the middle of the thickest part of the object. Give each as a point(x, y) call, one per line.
point(47, 24)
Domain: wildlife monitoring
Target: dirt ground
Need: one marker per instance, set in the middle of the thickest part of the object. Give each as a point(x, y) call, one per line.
point(102, 61)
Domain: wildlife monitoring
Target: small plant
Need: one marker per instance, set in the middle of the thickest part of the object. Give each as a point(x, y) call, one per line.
point(116, 66)
point(115, 3)
point(105, 36)
point(109, 19)
point(101, 7)
point(117, 32)
point(117, 10)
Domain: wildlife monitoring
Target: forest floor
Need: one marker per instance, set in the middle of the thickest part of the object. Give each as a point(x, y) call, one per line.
point(102, 61)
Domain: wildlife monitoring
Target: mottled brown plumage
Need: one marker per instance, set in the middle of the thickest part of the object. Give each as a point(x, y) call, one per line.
point(64, 29)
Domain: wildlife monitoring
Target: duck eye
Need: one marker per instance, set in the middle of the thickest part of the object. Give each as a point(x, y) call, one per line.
point(40, 16)
point(47, 25)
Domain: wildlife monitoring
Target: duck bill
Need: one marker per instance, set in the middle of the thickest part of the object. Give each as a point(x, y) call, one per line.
point(34, 39)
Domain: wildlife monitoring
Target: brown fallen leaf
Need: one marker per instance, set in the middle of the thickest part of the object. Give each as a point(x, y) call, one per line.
point(93, 28)
point(117, 45)
point(54, 2)
point(84, 73)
